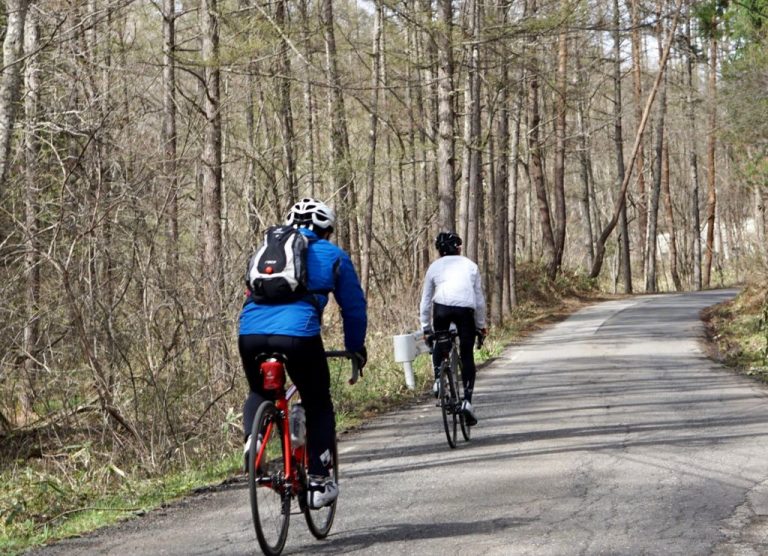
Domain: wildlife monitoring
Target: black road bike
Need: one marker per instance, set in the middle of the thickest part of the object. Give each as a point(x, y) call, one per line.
point(450, 392)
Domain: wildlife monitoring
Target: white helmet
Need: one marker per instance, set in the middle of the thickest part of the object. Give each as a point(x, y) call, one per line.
point(311, 213)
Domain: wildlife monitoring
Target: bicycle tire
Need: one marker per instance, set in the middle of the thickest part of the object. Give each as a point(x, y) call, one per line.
point(447, 404)
point(458, 373)
point(269, 493)
point(320, 520)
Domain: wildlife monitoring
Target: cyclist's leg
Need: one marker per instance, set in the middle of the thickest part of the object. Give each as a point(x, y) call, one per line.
point(308, 368)
point(251, 345)
point(465, 324)
point(441, 321)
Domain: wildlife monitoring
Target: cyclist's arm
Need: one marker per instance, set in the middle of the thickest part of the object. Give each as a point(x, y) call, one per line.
point(479, 301)
point(425, 308)
point(349, 295)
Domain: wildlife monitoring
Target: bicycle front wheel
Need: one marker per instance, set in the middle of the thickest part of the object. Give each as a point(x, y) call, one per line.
point(459, 380)
point(267, 482)
point(319, 521)
point(448, 398)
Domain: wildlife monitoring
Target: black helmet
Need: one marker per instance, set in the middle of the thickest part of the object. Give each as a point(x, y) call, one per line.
point(448, 243)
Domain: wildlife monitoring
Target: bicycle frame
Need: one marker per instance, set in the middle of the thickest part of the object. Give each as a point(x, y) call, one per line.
point(282, 402)
point(292, 480)
point(450, 392)
point(278, 478)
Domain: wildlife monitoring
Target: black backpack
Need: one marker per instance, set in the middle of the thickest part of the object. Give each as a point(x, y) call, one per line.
point(277, 272)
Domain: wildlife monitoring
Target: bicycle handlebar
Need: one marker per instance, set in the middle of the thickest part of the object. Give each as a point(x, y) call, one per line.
point(356, 372)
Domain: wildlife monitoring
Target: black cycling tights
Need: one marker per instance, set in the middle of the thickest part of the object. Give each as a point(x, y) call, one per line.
point(464, 319)
point(308, 368)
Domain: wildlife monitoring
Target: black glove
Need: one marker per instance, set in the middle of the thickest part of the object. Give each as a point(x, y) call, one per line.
point(480, 333)
point(361, 356)
point(429, 337)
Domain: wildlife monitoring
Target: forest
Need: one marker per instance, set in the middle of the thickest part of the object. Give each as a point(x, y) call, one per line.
point(146, 145)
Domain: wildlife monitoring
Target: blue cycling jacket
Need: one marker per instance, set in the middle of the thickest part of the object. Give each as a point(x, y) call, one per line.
point(329, 269)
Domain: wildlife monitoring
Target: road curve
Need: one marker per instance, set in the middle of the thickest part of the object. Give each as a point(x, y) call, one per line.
point(608, 433)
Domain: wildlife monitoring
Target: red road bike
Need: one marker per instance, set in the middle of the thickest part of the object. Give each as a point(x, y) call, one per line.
point(278, 461)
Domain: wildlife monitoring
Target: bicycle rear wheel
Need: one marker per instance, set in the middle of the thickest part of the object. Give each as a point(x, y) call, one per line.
point(448, 404)
point(319, 521)
point(270, 498)
point(459, 379)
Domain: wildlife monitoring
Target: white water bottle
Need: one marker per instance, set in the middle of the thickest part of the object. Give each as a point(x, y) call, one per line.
point(298, 425)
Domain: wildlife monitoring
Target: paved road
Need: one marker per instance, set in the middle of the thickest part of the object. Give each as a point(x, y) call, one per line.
point(610, 433)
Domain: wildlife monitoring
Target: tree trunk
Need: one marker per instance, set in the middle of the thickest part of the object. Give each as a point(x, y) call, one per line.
point(31, 204)
point(500, 220)
point(213, 259)
point(169, 137)
point(371, 170)
point(445, 144)
point(431, 129)
point(618, 141)
point(693, 166)
point(670, 219)
point(561, 107)
point(309, 98)
point(711, 143)
point(343, 176)
point(537, 172)
point(651, 279)
point(475, 191)
point(10, 79)
point(283, 83)
point(637, 63)
point(462, 216)
point(513, 195)
point(536, 166)
point(585, 173)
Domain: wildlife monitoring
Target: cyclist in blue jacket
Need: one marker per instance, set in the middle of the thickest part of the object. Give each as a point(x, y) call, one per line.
point(294, 329)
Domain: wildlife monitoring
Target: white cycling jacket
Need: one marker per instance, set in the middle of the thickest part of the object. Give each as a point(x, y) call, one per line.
point(453, 280)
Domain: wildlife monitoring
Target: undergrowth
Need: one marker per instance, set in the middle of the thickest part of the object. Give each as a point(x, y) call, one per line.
point(739, 329)
point(57, 483)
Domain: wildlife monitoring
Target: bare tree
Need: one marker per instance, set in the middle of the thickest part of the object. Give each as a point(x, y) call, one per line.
point(309, 95)
point(621, 197)
point(558, 182)
point(283, 83)
point(618, 141)
point(371, 169)
point(474, 169)
point(651, 279)
point(500, 203)
point(640, 189)
point(585, 169)
point(169, 136)
point(536, 166)
point(711, 145)
point(693, 166)
point(445, 141)
point(343, 176)
point(213, 259)
point(31, 204)
point(10, 79)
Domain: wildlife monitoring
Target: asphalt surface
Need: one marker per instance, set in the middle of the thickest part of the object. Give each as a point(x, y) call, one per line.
point(609, 433)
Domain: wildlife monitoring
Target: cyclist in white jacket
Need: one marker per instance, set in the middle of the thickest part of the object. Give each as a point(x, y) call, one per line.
point(453, 293)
